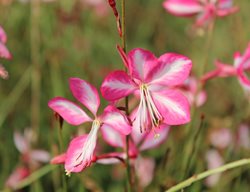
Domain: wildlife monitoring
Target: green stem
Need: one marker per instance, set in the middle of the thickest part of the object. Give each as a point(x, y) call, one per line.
point(123, 43)
point(35, 176)
point(9, 103)
point(208, 173)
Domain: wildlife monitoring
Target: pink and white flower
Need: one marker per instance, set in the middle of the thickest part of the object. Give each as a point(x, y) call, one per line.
point(221, 138)
point(29, 158)
point(80, 152)
point(204, 10)
point(153, 80)
point(239, 69)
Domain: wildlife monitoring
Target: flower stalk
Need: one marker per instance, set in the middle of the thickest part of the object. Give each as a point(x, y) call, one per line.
point(208, 173)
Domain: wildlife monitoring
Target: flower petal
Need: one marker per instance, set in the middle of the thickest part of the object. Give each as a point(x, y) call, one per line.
point(3, 73)
point(150, 141)
point(182, 7)
point(59, 159)
point(172, 69)
point(21, 143)
point(173, 106)
point(85, 93)
point(112, 136)
point(16, 176)
point(40, 156)
point(3, 36)
point(4, 52)
point(69, 111)
point(74, 156)
point(117, 85)
point(114, 118)
point(140, 63)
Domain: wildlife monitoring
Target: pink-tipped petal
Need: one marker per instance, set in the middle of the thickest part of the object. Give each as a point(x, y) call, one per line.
point(21, 143)
point(117, 85)
point(112, 136)
point(59, 159)
point(4, 52)
point(69, 111)
point(228, 11)
point(141, 62)
point(74, 156)
point(150, 141)
point(85, 93)
point(214, 160)
point(173, 106)
point(40, 156)
point(136, 134)
point(3, 73)
point(172, 69)
point(114, 118)
point(182, 7)
point(3, 36)
point(144, 168)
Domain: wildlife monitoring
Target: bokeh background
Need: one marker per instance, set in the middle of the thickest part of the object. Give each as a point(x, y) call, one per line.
point(52, 41)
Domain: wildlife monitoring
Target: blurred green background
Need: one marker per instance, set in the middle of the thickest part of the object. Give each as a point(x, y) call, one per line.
point(52, 41)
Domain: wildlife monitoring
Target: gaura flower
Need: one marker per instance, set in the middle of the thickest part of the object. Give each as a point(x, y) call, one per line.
point(29, 158)
point(139, 142)
point(239, 69)
point(204, 10)
point(81, 149)
point(152, 80)
point(221, 138)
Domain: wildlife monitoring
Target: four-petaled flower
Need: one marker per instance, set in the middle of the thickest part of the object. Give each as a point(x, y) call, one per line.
point(205, 10)
point(153, 80)
point(80, 152)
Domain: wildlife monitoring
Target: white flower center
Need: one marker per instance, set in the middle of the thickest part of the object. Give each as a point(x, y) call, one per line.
point(147, 109)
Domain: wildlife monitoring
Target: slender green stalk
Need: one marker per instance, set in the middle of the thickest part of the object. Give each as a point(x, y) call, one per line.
point(35, 60)
point(208, 173)
point(123, 42)
point(35, 176)
point(14, 96)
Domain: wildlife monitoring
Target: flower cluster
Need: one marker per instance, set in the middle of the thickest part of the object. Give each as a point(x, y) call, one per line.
point(4, 52)
point(153, 80)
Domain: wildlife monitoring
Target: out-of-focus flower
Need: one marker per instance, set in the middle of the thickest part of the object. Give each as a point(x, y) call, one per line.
point(4, 52)
point(243, 136)
point(139, 142)
point(191, 90)
point(214, 160)
point(16, 176)
point(100, 6)
point(80, 152)
point(30, 158)
point(153, 80)
point(240, 68)
point(221, 138)
point(204, 10)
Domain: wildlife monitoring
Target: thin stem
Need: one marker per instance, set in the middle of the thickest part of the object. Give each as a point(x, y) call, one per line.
point(123, 44)
point(208, 173)
point(35, 60)
point(35, 176)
